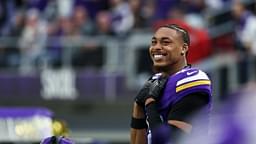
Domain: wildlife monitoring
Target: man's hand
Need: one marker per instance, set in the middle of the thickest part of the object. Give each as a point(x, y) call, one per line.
point(151, 89)
point(156, 87)
point(140, 97)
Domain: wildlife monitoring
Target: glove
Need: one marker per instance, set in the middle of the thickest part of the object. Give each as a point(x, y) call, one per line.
point(140, 97)
point(156, 87)
point(152, 88)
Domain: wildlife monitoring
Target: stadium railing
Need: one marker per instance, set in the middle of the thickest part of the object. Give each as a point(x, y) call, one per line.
point(123, 59)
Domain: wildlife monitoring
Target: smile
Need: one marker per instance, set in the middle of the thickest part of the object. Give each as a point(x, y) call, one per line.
point(158, 56)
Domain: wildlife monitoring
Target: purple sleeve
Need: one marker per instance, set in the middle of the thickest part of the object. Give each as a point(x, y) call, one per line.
point(161, 134)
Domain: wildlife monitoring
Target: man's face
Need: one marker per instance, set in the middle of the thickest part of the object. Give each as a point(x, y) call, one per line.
point(166, 47)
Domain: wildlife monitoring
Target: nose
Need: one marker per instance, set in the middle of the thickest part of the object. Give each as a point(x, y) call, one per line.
point(157, 46)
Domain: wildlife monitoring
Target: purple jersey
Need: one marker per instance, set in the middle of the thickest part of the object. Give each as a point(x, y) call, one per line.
point(57, 140)
point(180, 84)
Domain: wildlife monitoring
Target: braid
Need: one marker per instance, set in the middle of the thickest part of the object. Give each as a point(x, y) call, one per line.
point(184, 32)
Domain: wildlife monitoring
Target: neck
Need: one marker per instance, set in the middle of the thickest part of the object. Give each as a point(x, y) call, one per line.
point(177, 67)
point(172, 69)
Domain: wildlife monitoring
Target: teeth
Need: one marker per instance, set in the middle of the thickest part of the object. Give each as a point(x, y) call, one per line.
point(158, 56)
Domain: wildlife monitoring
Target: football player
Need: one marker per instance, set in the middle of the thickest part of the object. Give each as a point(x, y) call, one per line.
point(163, 109)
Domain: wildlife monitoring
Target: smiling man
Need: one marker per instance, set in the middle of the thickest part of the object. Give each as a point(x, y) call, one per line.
point(164, 108)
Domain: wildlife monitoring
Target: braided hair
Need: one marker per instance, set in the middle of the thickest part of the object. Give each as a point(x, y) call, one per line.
point(182, 31)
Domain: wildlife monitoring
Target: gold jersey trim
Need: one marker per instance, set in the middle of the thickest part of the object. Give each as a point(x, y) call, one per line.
point(192, 84)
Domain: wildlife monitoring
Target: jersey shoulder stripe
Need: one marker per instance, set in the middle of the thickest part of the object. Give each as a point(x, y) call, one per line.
point(192, 84)
point(199, 75)
point(192, 78)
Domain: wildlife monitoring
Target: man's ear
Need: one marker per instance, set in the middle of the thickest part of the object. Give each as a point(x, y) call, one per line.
point(184, 49)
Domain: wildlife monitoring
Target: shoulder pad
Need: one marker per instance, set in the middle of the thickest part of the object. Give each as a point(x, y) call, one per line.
point(192, 78)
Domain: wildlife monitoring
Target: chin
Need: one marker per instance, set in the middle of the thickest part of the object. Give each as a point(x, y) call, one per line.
point(161, 68)
point(160, 64)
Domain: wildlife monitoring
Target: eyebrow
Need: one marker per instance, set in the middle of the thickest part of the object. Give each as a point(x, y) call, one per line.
point(162, 38)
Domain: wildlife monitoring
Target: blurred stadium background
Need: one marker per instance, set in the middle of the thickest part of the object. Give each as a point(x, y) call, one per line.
point(84, 60)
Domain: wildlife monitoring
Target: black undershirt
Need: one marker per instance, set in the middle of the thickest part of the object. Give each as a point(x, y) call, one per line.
point(183, 110)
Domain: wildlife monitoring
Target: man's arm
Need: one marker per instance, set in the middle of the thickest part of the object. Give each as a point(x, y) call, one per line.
point(138, 134)
point(138, 131)
point(151, 91)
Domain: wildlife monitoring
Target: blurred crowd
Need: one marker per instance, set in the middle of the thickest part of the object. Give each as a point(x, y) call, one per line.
point(31, 30)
